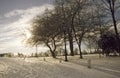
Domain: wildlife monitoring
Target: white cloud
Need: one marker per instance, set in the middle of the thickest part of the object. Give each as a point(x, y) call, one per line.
point(29, 11)
point(26, 15)
point(11, 33)
point(14, 13)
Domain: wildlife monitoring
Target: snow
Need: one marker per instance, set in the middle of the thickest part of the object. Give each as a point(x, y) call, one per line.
point(48, 68)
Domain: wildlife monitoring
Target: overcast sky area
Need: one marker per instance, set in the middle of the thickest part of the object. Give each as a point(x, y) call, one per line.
point(15, 19)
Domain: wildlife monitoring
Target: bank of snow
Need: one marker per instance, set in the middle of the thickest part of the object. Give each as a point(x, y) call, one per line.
point(37, 68)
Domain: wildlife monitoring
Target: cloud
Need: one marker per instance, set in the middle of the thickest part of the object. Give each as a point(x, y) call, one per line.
point(26, 15)
point(14, 13)
point(29, 11)
point(10, 34)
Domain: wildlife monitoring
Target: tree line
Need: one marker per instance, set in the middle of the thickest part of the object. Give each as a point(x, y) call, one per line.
point(73, 22)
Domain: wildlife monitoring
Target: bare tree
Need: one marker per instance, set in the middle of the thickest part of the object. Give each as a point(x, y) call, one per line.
point(45, 30)
point(113, 6)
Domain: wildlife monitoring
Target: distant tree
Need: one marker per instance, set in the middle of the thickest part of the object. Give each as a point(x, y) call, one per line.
point(76, 51)
point(36, 55)
point(10, 54)
point(32, 54)
point(108, 43)
point(20, 55)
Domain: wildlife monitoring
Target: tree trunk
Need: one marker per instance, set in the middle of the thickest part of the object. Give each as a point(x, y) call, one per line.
point(53, 54)
point(79, 42)
point(79, 45)
point(65, 52)
point(81, 57)
point(36, 50)
point(112, 9)
point(71, 43)
point(52, 51)
point(90, 46)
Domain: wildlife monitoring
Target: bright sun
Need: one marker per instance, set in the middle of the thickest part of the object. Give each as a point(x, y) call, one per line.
point(28, 34)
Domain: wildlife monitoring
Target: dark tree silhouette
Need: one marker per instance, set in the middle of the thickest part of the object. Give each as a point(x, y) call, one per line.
point(108, 44)
point(112, 7)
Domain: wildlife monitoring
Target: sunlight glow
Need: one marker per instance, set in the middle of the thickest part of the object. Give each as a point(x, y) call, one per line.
point(28, 34)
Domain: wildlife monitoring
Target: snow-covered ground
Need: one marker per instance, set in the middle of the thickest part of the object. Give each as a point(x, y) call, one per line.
point(50, 68)
point(109, 65)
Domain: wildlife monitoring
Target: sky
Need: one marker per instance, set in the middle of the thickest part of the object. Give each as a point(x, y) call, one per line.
point(15, 19)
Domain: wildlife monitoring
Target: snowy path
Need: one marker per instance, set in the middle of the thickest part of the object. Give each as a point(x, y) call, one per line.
point(19, 68)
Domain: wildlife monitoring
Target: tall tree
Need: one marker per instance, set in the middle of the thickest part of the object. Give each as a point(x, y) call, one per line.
point(61, 4)
point(113, 6)
point(65, 12)
point(83, 21)
point(45, 30)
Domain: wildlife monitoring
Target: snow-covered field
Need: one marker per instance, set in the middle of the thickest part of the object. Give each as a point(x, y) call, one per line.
point(51, 68)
